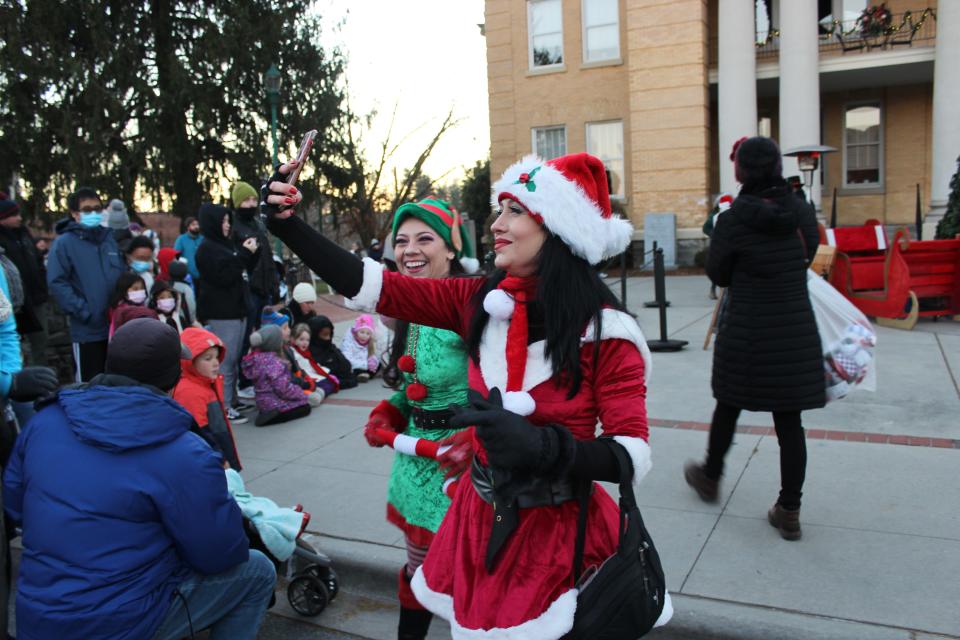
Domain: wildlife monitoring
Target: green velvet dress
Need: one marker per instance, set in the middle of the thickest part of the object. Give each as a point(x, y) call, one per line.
point(415, 499)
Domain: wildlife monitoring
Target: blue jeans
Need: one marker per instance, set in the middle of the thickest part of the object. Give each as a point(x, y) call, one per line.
point(231, 604)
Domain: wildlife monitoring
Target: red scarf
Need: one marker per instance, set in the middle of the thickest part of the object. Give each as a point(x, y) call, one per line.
point(316, 367)
point(523, 291)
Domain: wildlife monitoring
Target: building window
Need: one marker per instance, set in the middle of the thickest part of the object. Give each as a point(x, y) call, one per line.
point(862, 146)
point(605, 140)
point(550, 142)
point(601, 30)
point(545, 29)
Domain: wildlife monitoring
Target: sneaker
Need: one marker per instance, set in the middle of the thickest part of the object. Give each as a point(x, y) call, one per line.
point(264, 417)
point(235, 417)
point(363, 377)
point(786, 521)
point(707, 488)
point(247, 393)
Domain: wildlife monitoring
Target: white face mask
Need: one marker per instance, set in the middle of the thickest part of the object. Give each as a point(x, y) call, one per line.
point(137, 297)
point(166, 305)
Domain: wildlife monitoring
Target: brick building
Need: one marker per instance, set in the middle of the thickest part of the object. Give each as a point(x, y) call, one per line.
point(660, 89)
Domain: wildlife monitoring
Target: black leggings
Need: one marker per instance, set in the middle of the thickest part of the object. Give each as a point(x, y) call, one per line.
point(285, 416)
point(793, 449)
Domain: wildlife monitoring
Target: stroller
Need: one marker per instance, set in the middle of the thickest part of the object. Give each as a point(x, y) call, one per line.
point(311, 581)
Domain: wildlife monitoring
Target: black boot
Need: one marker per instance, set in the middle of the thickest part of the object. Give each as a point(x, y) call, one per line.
point(414, 624)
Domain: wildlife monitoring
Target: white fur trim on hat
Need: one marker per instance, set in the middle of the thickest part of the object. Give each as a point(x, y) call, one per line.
point(304, 292)
point(369, 294)
point(470, 265)
point(499, 304)
point(519, 402)
point(552, 623)
point(567, 210)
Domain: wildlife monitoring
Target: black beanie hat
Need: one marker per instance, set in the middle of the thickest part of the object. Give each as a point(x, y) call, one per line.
point(8, 206)
point(177, 270)
point(148, 351)
point(758, 161)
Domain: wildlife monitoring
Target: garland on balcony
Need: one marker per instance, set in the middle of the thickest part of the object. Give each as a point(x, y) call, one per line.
point(874, 17)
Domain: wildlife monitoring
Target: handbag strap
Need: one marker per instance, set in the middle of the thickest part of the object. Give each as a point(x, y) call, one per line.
point(628, 503)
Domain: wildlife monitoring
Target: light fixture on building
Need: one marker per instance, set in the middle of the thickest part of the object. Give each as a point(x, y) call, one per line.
point(808, 160)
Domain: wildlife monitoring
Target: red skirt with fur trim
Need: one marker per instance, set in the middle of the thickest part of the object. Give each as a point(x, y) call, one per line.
point(530, 594)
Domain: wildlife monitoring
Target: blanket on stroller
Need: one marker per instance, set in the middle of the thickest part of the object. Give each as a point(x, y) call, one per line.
point(278, 526)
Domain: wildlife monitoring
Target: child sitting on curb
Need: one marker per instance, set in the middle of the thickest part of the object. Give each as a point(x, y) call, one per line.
point(326, 382)
point(278, 398)
point(200, 391)
point(327, 355)
point(359, 348)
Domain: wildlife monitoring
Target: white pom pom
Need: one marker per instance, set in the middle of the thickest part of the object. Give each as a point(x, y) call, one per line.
point(519, 402)
point(499, 304)
point(470, 265)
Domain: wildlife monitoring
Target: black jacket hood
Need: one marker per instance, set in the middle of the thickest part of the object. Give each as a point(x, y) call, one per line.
point(211, 222)
point(772, 209)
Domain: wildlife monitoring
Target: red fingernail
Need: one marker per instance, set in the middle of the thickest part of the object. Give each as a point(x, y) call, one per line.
point(288, 200)
point(293, 191)
point(293, 162)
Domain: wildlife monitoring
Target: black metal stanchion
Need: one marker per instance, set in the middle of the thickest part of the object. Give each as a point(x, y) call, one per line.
point(653, 304)
point(660, 287)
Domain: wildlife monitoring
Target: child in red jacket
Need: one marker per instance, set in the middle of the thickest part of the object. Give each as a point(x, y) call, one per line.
point(200, 391)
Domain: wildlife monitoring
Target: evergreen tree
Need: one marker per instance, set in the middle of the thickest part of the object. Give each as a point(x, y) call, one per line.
point(949, 225)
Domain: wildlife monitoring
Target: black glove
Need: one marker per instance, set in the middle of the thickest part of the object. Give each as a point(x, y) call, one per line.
point(267, 210)
point(511, 441)
point(31, 383)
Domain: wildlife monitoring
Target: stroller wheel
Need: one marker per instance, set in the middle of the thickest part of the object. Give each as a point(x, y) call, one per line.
point(328, 576)
point(308, 595)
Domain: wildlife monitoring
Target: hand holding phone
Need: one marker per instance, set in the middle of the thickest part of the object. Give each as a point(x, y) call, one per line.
point(250, 244)
point(305, 146)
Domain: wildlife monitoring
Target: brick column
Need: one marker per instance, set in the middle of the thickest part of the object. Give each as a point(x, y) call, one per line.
point(669, 108)
point(737, 82)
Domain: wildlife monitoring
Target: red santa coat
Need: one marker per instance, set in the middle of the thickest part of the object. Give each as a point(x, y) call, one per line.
point(530, 594)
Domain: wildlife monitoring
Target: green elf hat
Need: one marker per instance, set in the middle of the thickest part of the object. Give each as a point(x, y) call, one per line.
point(446, 221)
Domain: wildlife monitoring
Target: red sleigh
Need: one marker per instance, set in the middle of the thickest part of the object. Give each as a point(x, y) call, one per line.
point(899, 283)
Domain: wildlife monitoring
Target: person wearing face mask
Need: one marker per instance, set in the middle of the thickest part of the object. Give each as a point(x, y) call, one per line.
point(139, 255)
point(221, 295)
point(187, 244)
point(130, 291)
point(82, 269)
point(165, 301)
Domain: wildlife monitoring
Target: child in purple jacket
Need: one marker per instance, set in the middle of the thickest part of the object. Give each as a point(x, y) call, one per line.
point(278, 398)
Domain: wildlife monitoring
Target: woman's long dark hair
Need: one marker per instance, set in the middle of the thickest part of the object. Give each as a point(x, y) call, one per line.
point(391, 374)
point(570, 293)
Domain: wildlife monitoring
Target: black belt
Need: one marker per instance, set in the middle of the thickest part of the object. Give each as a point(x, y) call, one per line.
point(426, 420)
point(508, 495)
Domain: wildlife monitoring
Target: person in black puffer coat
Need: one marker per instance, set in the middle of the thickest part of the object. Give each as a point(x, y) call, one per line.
point(768, 355)
point(221, 291)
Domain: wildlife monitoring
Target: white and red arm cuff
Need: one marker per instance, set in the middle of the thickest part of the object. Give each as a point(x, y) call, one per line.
point(369, 294)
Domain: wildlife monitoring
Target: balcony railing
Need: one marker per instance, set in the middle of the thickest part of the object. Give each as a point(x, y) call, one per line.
point(904, 29)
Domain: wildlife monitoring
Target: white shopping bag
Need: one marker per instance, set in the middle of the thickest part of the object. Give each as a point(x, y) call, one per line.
point(847, 338)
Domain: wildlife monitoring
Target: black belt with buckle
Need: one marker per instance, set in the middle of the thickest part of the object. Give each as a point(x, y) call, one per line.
point(427, 420)
point(508, 496)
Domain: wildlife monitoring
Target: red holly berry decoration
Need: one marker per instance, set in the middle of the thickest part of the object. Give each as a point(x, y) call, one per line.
point(524, 178)
point(407, 364)
point(416, 391)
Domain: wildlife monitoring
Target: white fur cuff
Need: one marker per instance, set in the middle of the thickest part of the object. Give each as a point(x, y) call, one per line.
point(519, 402)
point(639, 452)
point(369, 294)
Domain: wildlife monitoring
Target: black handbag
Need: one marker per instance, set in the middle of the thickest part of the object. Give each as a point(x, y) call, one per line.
point(623, 597)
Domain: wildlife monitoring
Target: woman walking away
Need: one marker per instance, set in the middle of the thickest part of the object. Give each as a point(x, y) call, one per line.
point(428, 370)
point(768, 355)
point(552, 354)
point(221, 292)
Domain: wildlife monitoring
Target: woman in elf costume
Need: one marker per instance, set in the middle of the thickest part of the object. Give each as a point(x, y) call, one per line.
point(551, 354)
point(428, 367)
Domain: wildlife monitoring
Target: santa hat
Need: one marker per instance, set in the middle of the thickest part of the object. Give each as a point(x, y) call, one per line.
point(724, 202)
point(570, 197)
point(446, 221)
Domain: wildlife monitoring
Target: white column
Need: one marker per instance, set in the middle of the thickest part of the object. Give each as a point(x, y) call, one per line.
point(799, 83)
point(946, 98)
point(737, 82)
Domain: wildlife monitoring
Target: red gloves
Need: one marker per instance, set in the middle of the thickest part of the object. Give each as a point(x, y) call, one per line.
point(458, 458)
point(383, 416)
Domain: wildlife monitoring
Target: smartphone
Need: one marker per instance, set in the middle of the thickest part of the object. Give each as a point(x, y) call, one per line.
point(305, 145)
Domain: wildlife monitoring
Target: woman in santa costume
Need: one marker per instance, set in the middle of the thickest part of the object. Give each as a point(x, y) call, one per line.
point(428, 368)
point(551, 354)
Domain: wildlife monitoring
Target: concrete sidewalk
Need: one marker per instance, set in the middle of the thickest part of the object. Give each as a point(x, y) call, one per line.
point(880, 556)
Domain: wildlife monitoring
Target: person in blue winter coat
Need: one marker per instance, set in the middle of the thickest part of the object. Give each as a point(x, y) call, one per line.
point(82, 268)
point(128, 529)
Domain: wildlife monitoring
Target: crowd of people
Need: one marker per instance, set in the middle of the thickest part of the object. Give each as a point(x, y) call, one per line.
point(506, 374)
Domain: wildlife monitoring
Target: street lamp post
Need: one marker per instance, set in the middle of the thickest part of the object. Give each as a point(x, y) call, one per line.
point(271, 84)
point(808, 160)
